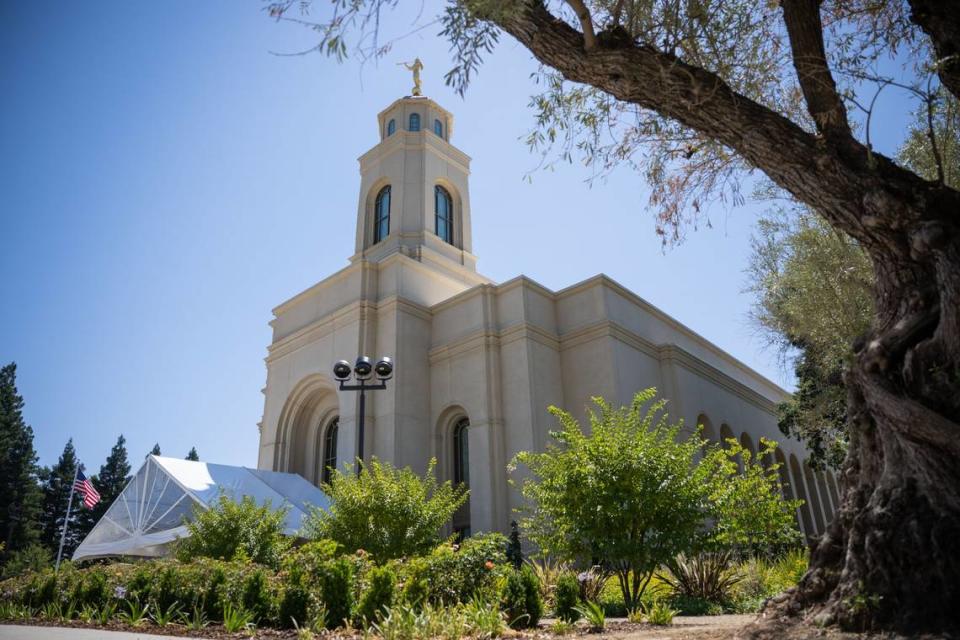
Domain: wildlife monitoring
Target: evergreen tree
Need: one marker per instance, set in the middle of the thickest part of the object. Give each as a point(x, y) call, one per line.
point(193, 455)
point(112, 478)
point(20, 510)
point(156, 450)
point(514, 548)
point(57, 481)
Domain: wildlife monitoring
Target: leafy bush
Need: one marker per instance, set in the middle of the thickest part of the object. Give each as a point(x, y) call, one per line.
point(566, 596)
point(459, 573)
point(258, 598)
point(295, 602)
point(630, 494)
point(31, 558)
point(594, 615)
point(92, 589)
point(378, 597)
point(521, 599)
point(548, 571)
point(659, 613)
point(763, 578)
point(236, 530)
point(416, 590)
point(704, 576)
point(688, 606)
point(386, 511)
point(236, 619)
point(336, 592)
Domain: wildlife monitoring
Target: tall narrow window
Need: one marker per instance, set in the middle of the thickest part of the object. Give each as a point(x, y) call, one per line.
point(438, 128)
point(381, 213)
point(414, 122)
point(330, 449)
point(391, 127)
point(461, 453)
point(443, 207)
point(461, 475)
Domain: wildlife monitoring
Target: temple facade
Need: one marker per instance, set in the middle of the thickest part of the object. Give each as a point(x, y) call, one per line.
point(479, 362)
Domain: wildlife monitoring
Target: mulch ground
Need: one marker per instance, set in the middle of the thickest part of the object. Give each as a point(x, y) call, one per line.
point(726, 627)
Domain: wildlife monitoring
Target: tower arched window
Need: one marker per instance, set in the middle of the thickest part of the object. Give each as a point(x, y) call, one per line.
point(330, 449)
point(438, 128)
point(381, 215)
point(414, 122)
point(443, 208)
point(391, 127)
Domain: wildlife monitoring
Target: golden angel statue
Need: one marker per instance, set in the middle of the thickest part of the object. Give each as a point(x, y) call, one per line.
point(414, 66)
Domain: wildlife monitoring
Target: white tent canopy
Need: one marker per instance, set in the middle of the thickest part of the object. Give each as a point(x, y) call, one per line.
point(149, 513)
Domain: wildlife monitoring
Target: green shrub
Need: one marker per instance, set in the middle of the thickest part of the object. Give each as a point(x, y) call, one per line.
point(416, 589)
point(34, 558)
point(460, 573)
point(295, 602)
point(692, 606)
point(762, 578)
point(659, 613)
point(213, 593)
point(235, 530)
point(92, 589)
point(521, 599)
point(378, 597)
point(386, 511)
point(335, 581)
point(164, 592)
point(594, 615)
point(257, 597)
point(705, 576)
point(566, 596)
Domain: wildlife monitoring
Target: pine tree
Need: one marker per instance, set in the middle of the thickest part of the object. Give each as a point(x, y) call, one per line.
point(112, 478)
point(20, 509)
point(156, 450)
point(193, 455)
point(57, 481)
point(514, 548)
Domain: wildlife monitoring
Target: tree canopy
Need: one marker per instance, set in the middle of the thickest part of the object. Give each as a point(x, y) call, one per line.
point(18, 470)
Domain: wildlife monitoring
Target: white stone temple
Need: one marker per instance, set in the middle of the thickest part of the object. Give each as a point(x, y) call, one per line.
point(479, 362)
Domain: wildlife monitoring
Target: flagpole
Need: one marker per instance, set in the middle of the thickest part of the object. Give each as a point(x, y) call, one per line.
point(66, 521)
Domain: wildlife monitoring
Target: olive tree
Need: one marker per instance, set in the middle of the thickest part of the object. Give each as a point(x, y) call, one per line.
point(695, 93)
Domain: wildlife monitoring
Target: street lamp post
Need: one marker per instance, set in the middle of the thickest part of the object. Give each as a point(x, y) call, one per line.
point(362, 372)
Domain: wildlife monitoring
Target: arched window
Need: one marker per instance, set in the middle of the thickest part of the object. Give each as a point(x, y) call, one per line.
point(461, 453)
point(461, 475)
point(438, 128)
point(414, 122)
point(330, 449)
point(381, 215)
point(391, 127)
point(443, 206)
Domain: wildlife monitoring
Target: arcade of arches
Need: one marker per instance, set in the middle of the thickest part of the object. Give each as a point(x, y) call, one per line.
point(798, 480)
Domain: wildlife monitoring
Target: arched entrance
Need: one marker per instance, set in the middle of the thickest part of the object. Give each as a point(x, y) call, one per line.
point(308, 429)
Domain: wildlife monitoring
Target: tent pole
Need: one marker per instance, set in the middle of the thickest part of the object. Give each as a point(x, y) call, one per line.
point(66, 520)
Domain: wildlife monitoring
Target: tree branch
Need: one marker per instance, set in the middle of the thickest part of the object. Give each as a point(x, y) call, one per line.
point(805, 30)
point(941, 21)
point(586, 23)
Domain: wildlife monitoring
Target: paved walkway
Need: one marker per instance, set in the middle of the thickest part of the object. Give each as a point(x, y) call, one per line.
point(15, 632)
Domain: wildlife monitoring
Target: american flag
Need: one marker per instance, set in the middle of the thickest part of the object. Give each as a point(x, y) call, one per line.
point(84, 487)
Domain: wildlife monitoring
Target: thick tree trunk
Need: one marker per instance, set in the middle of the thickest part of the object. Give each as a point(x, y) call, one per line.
point(891, 557)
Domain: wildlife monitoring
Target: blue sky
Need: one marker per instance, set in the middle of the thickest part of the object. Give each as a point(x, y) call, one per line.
point(166, 182)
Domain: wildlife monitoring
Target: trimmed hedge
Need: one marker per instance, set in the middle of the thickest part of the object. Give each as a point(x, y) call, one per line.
point(315, 579)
